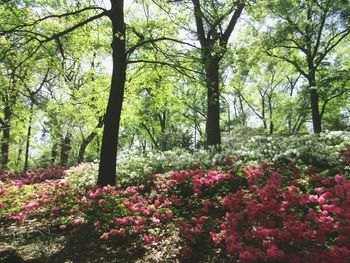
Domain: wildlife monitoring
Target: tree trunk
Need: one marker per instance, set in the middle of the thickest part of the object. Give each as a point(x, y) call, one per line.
point(108, 156)
point(244, 122)
point(83, 146)
point(314, 98)
point(6, 136)
point(213, 103)
point(263, 114)
point(29, 131)
point(162, 123)
point(65, 149)
point(86, 141)
point(315, 113)
point(270, 110)
point(54, 154)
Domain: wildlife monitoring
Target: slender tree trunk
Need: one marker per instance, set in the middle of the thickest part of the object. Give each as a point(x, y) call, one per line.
point(270, 110)
point(108, 156)
point(6, 136)
point(86, 141)
point(29, 131)
point(315, 113)
point(213, 103)
point(314, 98)
point(162, 122)
point(83, 146)
point(263, 117)
point(54, 154)
point(244, 122)
point(228, 118)
point(65, 149)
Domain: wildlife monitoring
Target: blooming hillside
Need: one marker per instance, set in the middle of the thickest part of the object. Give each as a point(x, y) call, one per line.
point(271, 212)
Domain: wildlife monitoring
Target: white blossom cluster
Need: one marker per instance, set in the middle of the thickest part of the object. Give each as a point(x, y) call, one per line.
point(304, 151)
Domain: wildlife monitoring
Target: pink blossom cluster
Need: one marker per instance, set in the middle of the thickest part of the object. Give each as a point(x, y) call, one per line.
point(263, 213)
point(269, 219)
point(32, 176)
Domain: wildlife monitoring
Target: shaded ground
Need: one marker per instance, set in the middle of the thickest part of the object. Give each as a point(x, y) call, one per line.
point(35, 242)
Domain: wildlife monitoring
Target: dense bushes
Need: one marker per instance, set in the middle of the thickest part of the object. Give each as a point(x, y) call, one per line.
point(318, 153)
point(251, 213)
point(32, 176)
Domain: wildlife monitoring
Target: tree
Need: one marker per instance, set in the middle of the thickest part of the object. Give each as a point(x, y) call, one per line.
point(42, 31)
point(304, 34)
point(213, 39)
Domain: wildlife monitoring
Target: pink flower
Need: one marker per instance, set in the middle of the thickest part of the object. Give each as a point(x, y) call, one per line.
point(326, 181)
point(63, 227)
point(206, 203)
point(113, 232)
point(134, 209)
point(321, 200)
point(139, 221)
point(338, 178)
point(247, 256)
point(156, 221)
point(328, 207)
point(148, 239)
point(138, 229)
point(319, 190)
point(119, 221)
point(169, 215)
point(97, 224)
point(216, 239)
point(105, 236)
point(313, 198)
point(76, 222)
point(121, 231)
point(146, 212)
point(186, 252)
point(274, 253)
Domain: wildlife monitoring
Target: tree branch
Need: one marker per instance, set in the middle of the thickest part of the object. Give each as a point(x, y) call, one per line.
point(224, 38)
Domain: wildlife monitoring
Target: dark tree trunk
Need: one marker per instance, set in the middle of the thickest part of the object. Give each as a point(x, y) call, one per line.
point(162, 122)
point(242, 111)
point(83, 146)
point(54, 154)
point(108, 156)
point(263, 117)
point(211, 57)
point(6, 136)
point(270, 110)
point(19, 153)
point(213, 103)
point(86, 141)
point(315, 113)
point(29, 131)
point(314, 98)
point(65, 149)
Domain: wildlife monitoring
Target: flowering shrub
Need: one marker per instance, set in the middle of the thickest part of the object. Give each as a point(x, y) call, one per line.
point(320, 152)
point(262, 215)
point(32, 176)
point(247, 213)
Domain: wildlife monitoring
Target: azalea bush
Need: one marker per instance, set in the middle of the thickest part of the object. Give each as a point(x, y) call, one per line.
point(252, 213)
point(319, 153)
point(32, 176)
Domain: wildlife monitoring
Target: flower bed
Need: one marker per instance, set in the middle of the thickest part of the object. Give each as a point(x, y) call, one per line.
point(251, 213)
point(318, 153)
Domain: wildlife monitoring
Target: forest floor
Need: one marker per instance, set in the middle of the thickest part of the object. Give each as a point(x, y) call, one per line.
point(37, 242)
